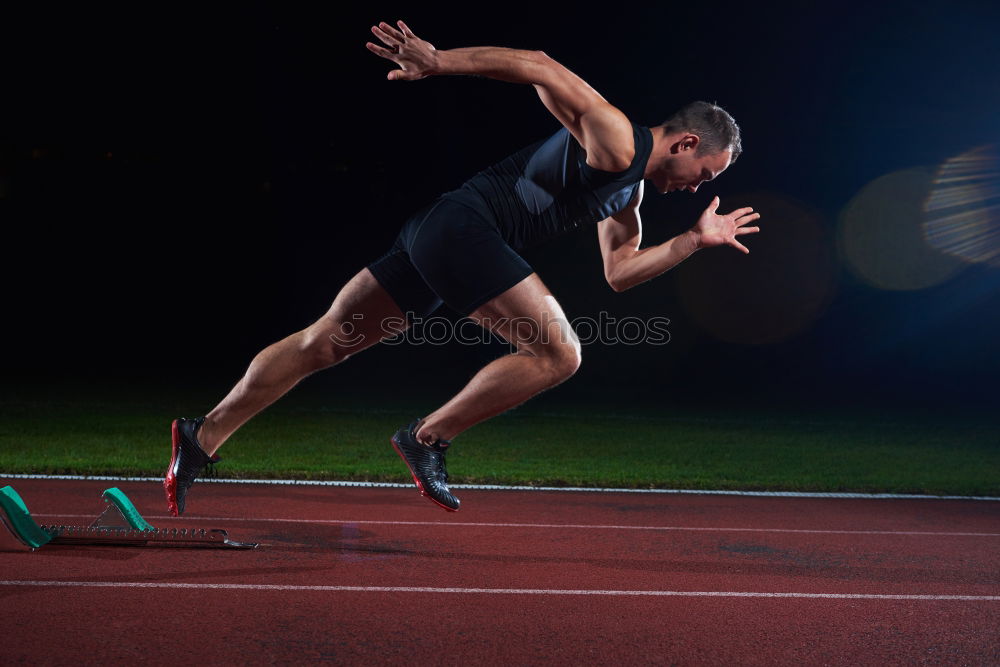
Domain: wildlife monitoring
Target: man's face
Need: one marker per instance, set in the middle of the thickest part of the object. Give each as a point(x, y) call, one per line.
point(686, 170)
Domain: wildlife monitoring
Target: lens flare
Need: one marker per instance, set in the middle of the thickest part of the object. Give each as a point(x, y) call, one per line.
point(963, 209)
point(881, 236)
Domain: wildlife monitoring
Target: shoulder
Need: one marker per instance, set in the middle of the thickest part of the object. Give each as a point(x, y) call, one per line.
point(608, 138)
point(624, 172)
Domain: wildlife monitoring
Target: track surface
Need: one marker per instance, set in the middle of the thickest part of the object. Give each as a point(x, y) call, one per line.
point(514, 577)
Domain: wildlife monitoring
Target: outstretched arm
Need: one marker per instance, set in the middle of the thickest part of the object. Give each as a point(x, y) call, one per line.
point(625, 265)
point(603, 131)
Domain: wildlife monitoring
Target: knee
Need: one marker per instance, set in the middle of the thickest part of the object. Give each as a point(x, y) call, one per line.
point(321, 350)
point(563, 360)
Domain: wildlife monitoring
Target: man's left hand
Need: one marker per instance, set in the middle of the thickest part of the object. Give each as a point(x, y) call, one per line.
point(713, 229)
point(416, 58)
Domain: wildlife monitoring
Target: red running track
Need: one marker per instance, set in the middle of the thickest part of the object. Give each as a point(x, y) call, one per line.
point(514, 577)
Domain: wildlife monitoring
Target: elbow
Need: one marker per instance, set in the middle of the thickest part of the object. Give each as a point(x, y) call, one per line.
point(617, 284)
point(543, 60)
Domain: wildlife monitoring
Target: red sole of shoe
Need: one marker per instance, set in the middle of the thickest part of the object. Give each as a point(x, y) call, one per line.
point(170, 481)
point(417, 481)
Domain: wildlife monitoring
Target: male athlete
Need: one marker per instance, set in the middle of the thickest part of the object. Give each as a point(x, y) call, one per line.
point(462, 250)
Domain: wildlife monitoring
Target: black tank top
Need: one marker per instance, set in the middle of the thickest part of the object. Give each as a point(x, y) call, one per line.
point(548, 189)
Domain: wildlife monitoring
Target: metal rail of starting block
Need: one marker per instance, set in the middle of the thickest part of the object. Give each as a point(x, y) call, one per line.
point(120, 524)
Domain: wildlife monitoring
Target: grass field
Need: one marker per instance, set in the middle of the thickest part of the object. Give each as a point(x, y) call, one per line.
point(548, 442)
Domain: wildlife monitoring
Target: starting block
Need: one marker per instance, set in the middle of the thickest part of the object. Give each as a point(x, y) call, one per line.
point(120, 524)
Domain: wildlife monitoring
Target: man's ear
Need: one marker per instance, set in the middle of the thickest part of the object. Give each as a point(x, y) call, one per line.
point(689, 142)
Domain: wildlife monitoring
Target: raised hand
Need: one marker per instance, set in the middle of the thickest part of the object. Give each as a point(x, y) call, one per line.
point(415, 57)
point(715, 230)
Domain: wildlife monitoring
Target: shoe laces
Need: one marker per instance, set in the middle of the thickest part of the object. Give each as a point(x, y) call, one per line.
point(210, 469)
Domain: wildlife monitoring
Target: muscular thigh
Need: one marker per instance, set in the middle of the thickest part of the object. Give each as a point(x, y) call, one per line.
point(362, 314)
point(529, 317)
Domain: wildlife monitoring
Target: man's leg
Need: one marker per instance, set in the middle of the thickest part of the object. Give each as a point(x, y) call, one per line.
point(362, 314)
point(548, 352)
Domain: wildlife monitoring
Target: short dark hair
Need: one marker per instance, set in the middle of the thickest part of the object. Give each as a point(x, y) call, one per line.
point(713, 125)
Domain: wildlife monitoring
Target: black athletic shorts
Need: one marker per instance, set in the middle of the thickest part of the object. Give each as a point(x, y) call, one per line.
point(448, 252)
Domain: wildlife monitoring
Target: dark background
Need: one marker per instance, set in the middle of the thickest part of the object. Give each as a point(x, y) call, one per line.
point(181, 185)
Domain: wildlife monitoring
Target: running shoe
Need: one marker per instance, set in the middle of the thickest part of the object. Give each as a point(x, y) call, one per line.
point(187, 461)
point(426, 464)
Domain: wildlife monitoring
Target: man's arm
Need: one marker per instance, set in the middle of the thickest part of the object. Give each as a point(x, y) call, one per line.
point(625, 265)
point(603, 131)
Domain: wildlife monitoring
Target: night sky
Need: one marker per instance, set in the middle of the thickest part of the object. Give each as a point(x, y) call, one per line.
point(182, 185)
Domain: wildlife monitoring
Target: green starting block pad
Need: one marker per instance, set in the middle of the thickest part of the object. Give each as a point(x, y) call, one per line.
point(121, 513)
point(18, 521)
point(119, 525)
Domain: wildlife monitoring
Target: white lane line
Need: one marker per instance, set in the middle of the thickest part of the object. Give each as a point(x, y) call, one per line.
point(497, 591)
point(549, 526)
point(499, 487)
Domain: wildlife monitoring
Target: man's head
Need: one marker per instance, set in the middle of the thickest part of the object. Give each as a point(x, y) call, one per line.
point(695, 145)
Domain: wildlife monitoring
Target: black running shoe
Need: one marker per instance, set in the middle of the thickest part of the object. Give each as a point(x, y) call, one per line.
point(187, 460)
point(426, 464)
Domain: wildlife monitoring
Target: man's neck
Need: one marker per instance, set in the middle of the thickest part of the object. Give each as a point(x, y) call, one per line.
point(660, 151)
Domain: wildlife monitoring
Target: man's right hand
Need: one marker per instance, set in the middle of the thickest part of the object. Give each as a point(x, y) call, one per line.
point(415, 57)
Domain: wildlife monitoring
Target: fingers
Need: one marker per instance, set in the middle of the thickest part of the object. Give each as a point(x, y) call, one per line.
point(713, 206)
point(388, 39)
point(747, 230)
point(392, 32)
point(380, 51)
point(739, 246)
point(406, 30)
point(740, 212)
point(398, 75)
point(391, 38)
point(745, 220)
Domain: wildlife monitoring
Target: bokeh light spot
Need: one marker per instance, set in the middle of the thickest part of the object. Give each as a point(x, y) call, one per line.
point(881, 234)
point(775, 292)
point(963, 209)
